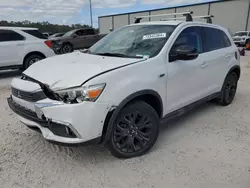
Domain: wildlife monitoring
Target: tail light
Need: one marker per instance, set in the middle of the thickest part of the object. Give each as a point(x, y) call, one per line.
point(48, 43)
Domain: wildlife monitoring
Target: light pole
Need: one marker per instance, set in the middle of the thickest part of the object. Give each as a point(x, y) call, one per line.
point(90, 10)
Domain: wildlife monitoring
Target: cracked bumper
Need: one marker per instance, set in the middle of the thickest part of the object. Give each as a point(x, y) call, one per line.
point(60, 122)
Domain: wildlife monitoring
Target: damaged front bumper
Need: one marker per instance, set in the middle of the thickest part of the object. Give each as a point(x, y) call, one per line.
point(60, 122)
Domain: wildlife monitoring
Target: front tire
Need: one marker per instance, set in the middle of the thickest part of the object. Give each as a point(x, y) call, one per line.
point(229, 89)
point(135, 130)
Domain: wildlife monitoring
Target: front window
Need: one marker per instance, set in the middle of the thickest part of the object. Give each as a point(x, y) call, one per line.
point(134, 41)
point(240, 34)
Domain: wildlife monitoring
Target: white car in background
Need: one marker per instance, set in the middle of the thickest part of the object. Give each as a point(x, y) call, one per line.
point(241, 38)
point(21, 47)
point(118, 91)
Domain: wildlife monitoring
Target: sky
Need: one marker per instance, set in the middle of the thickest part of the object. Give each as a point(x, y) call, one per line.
point(77, 11)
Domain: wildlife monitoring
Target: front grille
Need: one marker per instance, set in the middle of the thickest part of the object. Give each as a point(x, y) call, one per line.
point(28, 96)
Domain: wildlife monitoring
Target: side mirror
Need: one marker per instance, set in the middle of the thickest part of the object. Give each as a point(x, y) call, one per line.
point(183, 52)
point(74, 35)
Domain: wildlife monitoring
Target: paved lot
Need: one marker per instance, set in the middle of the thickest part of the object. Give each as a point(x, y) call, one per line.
point(207, 148)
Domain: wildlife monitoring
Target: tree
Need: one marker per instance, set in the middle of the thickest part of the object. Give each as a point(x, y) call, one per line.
point(44, 26)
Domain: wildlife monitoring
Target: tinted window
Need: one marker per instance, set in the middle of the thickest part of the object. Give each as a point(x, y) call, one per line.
point(8, 35)
point(215, 39)
point(35, 33)
point(80, 33)
point(89, 32)
point(189, 37)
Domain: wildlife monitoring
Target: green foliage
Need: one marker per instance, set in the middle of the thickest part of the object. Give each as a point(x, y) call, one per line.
point(44, 26)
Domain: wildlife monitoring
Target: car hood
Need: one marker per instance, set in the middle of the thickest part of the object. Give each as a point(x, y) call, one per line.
point(70, 70)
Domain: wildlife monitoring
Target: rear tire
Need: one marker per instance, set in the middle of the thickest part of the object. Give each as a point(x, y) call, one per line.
point(31, 60)
point(229, 89)
point(66, 48)
point(135, 130)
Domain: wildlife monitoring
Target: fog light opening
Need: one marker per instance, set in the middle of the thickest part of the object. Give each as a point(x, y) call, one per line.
point(69, 131)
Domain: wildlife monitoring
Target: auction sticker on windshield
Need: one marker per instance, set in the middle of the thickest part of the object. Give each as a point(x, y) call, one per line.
point(154, 36)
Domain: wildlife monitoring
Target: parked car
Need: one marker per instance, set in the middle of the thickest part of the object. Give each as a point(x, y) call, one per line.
point(118, 91)
point(76, 39)
point(56, 35)
point(20, 47)
point(47, 34)
point(241, 38)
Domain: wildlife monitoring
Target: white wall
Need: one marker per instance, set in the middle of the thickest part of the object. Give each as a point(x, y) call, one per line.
point(232, 14)
point(198, 10)
point(167, 11)
point(132, 17)
point(105, 23)
point(120, 21)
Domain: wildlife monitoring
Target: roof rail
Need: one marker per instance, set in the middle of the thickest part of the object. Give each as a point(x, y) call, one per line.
point(186, 14)
point(208, 18)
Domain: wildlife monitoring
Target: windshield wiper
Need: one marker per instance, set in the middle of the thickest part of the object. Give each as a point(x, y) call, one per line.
point(116, 55)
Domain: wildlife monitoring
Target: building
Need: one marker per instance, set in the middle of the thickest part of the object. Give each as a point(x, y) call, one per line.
point(232, 14)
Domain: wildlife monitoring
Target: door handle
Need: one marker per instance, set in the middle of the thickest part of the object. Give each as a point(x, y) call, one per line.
point(204, 65)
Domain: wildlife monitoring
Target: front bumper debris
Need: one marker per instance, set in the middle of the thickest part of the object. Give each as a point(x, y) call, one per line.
point(56, 128)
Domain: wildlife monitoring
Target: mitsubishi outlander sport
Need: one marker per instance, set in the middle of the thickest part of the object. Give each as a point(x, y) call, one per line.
point(117, 92)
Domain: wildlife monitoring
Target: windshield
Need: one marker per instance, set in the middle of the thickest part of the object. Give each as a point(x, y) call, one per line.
point(241, 34)
point(69, 33)
point(134, 41)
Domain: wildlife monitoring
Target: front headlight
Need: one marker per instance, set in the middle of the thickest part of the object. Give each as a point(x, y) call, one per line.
point(80, 94)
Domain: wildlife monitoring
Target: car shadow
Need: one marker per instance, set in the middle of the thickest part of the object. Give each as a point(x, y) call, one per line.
point(10, 73)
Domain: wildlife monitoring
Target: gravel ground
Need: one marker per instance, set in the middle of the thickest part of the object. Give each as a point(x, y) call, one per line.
point(207, 148)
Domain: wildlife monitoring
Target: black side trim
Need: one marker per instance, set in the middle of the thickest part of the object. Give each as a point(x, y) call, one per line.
point(188, 108)
point(11, 67)
point(111, 70)
point(122, 104)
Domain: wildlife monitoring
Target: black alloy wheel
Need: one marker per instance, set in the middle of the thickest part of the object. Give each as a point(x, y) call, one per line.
point(228, 90)
point(135, 130)
point(66, 48)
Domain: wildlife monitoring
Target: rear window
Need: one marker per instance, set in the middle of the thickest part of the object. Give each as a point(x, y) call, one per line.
point(215, 39)
point(35, 33)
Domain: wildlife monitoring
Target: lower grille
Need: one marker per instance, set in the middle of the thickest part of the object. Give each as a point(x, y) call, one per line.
point(56, 128)
point(28, 96)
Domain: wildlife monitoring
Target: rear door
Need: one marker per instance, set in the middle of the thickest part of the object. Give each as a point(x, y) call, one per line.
point(218, 55)
point(11, 48)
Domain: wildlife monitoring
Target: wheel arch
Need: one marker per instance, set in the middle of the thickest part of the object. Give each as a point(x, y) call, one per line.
point(151, 97)
point(33, 53)
point(235, 69)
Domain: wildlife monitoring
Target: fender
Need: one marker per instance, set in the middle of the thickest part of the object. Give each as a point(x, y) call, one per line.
point(110, 118)
point(235, 68)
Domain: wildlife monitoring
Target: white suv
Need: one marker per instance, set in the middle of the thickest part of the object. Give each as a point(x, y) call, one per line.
point(118, 91)
point(21, 47)
point(241, 38)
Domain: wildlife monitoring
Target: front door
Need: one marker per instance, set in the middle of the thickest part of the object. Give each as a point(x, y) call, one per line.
point(185, 80)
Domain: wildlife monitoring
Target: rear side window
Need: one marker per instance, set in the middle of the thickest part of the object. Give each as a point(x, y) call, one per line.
point(89, 32)
point(9, 35)
point(35, 33)
point(215, 39)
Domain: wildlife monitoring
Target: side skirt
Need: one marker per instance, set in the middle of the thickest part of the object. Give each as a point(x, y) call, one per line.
point(188, 108)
